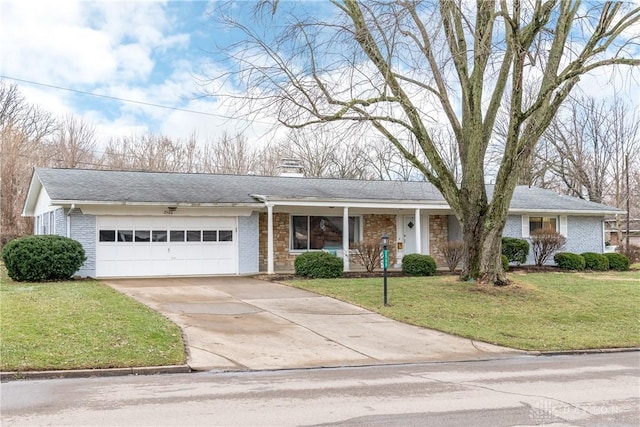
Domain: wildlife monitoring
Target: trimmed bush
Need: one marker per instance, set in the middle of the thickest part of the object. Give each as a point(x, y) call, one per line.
point(42, 258)
point(516, 250)
point(569, 261)
point(617, 261)
point(418, 265)
point(319, 265)
point(595, 261)
point(505, 263)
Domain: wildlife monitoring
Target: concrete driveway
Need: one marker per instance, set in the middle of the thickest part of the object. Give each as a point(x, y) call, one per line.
point(245, 323)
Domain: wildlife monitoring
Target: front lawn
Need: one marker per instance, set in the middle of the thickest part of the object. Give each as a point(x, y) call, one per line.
point(80, 324)
point(543, 311)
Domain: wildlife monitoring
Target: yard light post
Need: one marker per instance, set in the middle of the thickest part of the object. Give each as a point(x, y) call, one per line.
point(385, 263)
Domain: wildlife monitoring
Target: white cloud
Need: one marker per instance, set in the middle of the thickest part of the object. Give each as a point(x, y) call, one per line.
point(110, 48)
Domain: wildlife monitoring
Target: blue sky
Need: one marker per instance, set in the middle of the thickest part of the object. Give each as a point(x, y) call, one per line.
point(144, 51)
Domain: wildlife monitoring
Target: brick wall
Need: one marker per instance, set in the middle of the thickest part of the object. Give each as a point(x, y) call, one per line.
point(438, 236)
point(374, 226)
point(282, 258)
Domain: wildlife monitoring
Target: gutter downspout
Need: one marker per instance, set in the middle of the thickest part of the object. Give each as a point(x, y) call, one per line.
point(270, 263)
point(73, 206)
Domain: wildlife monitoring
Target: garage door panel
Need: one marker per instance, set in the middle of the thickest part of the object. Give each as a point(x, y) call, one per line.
point(161, 258)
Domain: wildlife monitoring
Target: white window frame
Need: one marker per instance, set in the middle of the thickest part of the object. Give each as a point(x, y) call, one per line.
point(561, 224)
point(308, 216)
point(52, 222)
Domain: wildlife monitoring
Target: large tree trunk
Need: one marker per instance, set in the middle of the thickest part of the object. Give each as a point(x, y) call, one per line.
point(482, 233)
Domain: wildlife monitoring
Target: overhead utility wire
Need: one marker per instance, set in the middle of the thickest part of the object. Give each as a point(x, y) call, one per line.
point(148, 104)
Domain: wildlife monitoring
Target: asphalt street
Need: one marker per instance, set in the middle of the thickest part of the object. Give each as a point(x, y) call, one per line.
point(576, 390)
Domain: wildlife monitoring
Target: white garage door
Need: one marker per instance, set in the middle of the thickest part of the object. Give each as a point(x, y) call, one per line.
point(165, 246)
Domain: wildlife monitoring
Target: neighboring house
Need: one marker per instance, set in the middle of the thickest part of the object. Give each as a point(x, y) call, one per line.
point(616, 231)
point(138, 224)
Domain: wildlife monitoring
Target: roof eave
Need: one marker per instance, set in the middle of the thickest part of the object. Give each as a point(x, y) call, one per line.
point(344, 202)
point(566, 211)
point(35, 186)
point(79, 203)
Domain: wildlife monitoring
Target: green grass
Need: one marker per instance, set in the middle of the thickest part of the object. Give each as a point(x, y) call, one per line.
point(543, 311)
point(80, 325)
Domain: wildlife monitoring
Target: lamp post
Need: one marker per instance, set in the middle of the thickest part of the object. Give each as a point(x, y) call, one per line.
point(385, 263)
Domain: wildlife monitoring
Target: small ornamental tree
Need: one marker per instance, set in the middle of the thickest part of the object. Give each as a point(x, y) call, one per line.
point(544, 243)
point(368, 255)
point(453, 253)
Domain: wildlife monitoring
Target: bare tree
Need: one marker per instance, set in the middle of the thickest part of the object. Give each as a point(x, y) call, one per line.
point(350, 161)
point(23, 130)
point(74, 144)
point(324, 153)
point(589, 139)
point(387, 163)
point(312, 149)
point(153, 153)
point(189, 157)
point(625, 133)
point(231, 154)
point(402, 67)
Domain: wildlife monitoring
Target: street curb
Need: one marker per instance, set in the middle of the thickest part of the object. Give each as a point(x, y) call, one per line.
point(90, 373)
point(185, 369)
point(585, 351)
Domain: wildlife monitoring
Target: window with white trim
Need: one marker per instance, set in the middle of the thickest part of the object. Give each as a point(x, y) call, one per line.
point(543, 222)
point(315, 232)
point(538, 222)
point(45, 223)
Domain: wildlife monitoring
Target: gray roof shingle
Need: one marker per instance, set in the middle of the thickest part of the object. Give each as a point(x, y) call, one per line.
point(88, 185)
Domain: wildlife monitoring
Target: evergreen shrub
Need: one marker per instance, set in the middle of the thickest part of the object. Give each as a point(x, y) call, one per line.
point(42, 258)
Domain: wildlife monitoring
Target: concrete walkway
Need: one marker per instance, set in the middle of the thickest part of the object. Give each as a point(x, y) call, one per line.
point(245, 323)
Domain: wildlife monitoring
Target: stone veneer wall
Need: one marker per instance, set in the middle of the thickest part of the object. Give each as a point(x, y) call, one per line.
point(438, 237)
point(374, 226)
point(283, 259)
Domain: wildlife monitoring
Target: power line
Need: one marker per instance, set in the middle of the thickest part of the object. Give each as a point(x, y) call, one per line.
point(148, 104)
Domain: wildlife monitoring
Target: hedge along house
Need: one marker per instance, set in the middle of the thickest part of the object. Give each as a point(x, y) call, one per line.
point(145, 224)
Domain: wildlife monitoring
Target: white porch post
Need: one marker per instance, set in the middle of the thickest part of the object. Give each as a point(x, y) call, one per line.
point(270, 239)
point(345, 237)
point(418, 233)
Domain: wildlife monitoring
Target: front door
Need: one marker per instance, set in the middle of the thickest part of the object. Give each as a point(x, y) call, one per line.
point(409, 234)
